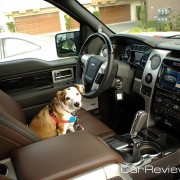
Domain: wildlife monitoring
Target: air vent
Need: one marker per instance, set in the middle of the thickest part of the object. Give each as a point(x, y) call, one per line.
point(62, 75)
point(42, 79)
point(26, 82)
point(133, 47)
point(155, 61)
point(136, 47)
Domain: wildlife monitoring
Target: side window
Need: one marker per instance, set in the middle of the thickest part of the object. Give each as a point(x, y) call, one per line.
point(0, 54)
point(13, 47)
point(39, 19)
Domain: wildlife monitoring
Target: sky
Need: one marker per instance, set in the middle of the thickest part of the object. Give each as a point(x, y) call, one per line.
point(84, 1)
point(12, 5)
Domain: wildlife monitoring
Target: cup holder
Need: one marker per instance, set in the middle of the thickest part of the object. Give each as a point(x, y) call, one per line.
point(129, 155)
point(3, 169)
point(135, 155)
point(148, 148)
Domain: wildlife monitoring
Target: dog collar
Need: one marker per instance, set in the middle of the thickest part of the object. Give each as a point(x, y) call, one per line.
point(72, 119)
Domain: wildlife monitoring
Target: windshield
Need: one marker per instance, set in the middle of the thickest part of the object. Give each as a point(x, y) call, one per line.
point(146, 17)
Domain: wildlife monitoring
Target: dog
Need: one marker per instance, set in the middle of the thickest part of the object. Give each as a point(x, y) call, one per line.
point(59, 116)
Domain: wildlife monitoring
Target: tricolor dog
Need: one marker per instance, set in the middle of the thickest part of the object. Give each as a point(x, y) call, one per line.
point(59, 116)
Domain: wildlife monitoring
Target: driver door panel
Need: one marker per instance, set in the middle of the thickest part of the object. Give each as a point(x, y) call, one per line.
point(34, 86)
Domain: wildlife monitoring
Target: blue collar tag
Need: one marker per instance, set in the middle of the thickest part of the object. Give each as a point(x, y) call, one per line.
point(72, 119)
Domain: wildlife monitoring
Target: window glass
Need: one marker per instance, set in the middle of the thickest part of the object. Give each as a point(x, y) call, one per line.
point(146, 17)
point(14, 47)
point(34, 19)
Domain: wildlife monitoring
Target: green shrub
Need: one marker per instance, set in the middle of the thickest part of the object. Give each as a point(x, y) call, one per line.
point(153, 25)
point(159, 25)
point(96, 13)
point(139, 29)
point(165, 26)
point(143, 14)
point(175, 22)
point(11, 26)
point(138, 10)
point(1, 29)
point(68, 22)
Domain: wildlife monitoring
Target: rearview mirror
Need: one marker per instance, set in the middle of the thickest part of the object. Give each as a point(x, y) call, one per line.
point(67, 44)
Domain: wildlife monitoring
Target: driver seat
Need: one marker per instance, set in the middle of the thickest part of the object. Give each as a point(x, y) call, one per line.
point(14, 132)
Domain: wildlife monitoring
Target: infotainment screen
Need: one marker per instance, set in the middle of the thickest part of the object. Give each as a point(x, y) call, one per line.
point(171, 79)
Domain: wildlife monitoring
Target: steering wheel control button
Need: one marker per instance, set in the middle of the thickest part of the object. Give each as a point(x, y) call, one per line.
point(148, 78)
point(99, 78)
point(93, 67)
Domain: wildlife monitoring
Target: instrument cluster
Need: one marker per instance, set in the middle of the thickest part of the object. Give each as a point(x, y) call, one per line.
point(135, 54)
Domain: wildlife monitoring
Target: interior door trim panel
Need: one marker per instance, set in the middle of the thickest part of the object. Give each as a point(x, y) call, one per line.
point(17, 67)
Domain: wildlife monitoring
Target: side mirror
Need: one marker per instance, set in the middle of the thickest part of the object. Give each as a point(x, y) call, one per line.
point(67, 44)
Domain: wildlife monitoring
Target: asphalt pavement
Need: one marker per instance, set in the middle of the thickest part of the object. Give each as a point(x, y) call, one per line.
point(123, 27)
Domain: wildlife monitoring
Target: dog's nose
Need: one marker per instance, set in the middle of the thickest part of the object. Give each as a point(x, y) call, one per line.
point(76, 104)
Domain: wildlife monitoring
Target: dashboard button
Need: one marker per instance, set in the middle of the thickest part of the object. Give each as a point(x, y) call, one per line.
point(148, 78)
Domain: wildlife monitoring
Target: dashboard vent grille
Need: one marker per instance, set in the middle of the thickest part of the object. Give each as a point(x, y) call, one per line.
point(155, 61)
point(137, 47)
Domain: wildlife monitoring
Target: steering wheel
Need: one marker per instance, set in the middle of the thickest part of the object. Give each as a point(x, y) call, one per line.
point(95, 71)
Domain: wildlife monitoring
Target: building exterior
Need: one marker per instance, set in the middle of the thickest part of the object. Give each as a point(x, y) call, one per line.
point(161, 9)
point(36, 21)
point(116, 11)
point(46, 19)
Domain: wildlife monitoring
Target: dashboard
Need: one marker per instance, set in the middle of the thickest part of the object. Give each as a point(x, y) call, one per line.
point(130, 51)
point(157, 76)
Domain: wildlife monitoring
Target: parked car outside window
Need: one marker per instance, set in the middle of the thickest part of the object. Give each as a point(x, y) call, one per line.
point(17, 46)
point(13, 47)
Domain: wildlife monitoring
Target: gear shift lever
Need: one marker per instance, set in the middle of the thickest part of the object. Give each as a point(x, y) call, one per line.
point(138, 122)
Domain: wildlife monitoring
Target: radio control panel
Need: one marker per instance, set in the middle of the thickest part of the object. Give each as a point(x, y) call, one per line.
point(165, 107)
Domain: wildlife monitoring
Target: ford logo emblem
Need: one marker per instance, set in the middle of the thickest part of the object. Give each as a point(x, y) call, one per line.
point(92, 65)
point(170, 78)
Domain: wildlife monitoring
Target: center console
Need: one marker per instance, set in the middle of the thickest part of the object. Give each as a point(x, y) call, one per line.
point(165, 107)
point(156, 146)
point(150, 150)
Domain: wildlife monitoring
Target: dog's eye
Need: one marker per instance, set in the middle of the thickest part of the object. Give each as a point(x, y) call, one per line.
point(67, 98)
point(77, 94)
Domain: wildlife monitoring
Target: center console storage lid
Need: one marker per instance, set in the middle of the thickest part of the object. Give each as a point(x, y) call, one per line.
point(62, 157)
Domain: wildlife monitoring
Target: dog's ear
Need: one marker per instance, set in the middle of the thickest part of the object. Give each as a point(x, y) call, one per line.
point(60, 95)
point(80, 88)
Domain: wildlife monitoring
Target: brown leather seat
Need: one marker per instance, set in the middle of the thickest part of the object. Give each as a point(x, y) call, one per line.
point(15, 134)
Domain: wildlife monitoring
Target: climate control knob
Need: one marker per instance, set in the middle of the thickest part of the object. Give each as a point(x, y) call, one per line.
point(148, 78)
point(176, 107)
point(159, 100)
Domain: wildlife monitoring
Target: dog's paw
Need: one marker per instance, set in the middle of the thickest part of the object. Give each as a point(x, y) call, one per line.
point(71, 128)
point(59, 133)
